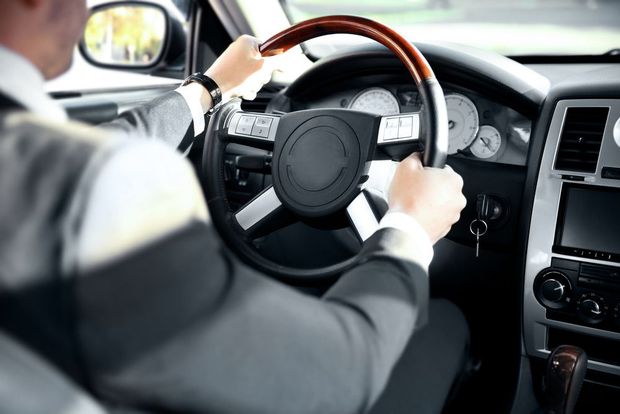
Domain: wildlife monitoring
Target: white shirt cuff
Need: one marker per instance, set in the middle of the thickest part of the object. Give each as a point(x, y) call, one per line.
point(423, 253)
point(199, 102)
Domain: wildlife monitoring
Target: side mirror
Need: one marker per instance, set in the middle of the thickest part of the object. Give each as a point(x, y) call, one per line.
point(132, 35)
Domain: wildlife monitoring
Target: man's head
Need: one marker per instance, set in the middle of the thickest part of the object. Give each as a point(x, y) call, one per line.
point(43, 31)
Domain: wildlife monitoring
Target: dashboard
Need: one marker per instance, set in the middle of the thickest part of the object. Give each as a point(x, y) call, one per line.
point(479, 128)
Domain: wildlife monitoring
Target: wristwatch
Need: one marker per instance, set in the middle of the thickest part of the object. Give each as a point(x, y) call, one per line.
point(210, 85)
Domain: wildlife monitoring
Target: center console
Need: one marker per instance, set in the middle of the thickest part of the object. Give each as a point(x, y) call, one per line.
point(572, 280)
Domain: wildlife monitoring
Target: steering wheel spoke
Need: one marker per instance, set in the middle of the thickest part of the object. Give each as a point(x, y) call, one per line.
point(380, 175)
point(263, 214)
point(364, 214)
point(252, 129)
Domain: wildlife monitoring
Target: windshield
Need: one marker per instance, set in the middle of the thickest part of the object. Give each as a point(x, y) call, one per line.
point(509, 27)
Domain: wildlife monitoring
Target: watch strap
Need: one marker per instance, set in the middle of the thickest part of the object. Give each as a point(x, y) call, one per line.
point(209, 84)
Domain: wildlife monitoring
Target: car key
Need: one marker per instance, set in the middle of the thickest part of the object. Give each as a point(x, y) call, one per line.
point(478, 228)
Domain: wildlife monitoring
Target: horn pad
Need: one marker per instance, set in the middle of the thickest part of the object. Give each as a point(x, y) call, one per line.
point(317, 166)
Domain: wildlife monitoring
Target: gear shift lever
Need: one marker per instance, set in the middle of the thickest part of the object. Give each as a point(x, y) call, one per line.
point(566, 369)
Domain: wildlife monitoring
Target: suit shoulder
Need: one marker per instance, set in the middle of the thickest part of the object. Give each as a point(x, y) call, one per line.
point(142, 191)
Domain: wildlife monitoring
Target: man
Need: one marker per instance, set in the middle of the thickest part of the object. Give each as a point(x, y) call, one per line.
point(111, 273)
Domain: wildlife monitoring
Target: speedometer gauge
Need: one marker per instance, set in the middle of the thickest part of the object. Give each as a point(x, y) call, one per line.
point(377, 101)
point(487, 142)
point(462, 122)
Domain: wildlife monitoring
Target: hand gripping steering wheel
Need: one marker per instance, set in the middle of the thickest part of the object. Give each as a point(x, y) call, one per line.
point(321, 157)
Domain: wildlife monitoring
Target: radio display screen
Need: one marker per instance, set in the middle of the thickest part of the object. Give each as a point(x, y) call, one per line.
point(589, 219)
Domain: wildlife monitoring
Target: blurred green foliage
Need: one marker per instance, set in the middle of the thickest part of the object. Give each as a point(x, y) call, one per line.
point(130, 35)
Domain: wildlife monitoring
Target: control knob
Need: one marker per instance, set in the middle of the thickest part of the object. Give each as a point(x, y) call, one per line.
point(553, 289)
point(591, 308)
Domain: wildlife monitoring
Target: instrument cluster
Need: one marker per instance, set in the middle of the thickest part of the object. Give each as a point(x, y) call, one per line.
point(478, 127)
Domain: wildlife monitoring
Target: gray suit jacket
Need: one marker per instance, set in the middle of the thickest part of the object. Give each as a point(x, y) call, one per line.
point(180, 324)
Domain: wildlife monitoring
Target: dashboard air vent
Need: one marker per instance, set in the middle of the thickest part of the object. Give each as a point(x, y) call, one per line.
point(581, 138)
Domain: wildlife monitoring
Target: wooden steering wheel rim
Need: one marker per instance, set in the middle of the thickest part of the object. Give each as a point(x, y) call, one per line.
point(415, 62)
point(435, 115)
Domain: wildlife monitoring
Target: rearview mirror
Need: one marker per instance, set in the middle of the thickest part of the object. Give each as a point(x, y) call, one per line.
point(127, 35)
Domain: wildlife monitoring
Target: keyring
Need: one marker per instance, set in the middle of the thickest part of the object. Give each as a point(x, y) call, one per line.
point(471, 228)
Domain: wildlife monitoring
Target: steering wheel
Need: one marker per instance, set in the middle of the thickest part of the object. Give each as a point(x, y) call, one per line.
point(321, 157)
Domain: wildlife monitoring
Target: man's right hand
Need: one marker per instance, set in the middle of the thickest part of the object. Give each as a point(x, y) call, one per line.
point(433, 196)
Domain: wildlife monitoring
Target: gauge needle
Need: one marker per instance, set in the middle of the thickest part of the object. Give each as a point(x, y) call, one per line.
point(486, 142)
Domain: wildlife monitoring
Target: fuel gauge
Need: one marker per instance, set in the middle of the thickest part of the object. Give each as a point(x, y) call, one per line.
point(487, 142)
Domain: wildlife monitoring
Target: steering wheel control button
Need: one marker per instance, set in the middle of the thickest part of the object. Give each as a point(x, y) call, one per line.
point(395, 128)
point(262, 121)
point(592, 308)
point(405, 125)
point(247, 120)
point(391, 129)
point(260, 131)
point(249, 125)
point(553, 289)
point(245, 124)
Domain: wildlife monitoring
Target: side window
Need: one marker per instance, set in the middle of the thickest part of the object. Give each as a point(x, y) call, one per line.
point(128, 45)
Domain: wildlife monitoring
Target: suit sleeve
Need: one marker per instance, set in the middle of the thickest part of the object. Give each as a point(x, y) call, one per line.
point(167, 118)
point(177, 323)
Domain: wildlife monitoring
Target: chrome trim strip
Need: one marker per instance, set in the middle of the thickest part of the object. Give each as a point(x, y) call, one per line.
point(257, 209)
point(362, 217)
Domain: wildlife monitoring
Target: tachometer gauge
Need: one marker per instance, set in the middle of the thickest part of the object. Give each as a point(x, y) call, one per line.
point(462, 122)
point(377, 101)
point(487, 143)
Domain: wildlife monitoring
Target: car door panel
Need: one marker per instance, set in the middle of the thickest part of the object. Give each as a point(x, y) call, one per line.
point(98, 107)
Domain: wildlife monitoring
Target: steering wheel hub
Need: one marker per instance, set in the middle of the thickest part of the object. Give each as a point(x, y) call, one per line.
point(317, 165)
